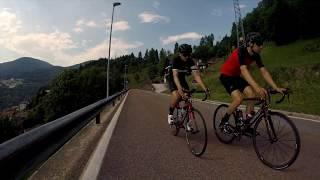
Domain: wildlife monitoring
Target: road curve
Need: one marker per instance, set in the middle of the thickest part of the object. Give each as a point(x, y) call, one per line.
point(142, 147)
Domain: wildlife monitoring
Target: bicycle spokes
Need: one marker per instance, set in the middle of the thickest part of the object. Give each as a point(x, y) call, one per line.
point(278, 143)
point(196, 133)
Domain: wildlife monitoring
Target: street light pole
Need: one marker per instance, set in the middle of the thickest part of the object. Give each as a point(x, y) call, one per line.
point(114, 5)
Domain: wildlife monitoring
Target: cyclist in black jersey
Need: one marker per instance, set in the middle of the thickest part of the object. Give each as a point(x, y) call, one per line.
point(182, 66)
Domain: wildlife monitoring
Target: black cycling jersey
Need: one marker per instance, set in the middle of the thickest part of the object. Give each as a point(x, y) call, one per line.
point(184, 69)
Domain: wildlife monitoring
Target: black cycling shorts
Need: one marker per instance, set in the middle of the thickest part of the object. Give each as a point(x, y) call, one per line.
point(231, 83)
point(173, 87)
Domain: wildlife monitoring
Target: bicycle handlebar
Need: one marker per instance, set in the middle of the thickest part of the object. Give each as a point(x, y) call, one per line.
point(197, 91)
point(285, 93)
point(270, 92)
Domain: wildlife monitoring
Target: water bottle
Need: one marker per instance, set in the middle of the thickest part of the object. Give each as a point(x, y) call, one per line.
point(183, 113)
point(179, 117)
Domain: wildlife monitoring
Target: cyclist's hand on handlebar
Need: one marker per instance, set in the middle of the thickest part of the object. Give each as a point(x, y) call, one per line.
point(281, 90)
point(207, 91)
point(262, 92)
point(182, 94)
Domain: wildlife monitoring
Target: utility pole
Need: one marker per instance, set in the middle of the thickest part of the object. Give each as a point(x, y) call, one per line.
point(238, 21)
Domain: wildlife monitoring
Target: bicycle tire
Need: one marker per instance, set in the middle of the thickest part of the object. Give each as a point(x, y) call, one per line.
point(177, 123)
point(259, 139)
point(218, 114)
point(197, 139)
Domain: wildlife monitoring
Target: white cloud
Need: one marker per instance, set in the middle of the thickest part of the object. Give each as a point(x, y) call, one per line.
point(54, 47)
point(152, 17)
point(9, 23)
point(81, 23)
point(119, 47)
point(216, 12)
point(185, 36)
point(118, 26)
point(51, 41)
point(156, 4)
point(77, 29)
point(40, 45)
point(91, 24)
point(242, 6)
point(84, 43)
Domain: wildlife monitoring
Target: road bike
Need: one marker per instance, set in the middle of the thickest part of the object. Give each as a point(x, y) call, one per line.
point(275, 138)
point(189, 118)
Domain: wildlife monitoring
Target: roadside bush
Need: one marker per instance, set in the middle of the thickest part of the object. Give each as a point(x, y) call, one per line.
point(8, 129)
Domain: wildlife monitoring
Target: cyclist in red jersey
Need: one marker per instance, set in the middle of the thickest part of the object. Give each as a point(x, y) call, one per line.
point(238, 81)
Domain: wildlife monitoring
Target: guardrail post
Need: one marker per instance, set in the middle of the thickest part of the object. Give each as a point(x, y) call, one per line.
point(98, 118)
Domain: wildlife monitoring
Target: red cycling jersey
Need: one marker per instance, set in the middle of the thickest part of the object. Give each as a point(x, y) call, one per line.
point(239, 57)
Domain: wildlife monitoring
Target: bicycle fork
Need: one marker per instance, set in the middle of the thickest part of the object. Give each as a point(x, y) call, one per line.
point(191, 119)
point(270, 128)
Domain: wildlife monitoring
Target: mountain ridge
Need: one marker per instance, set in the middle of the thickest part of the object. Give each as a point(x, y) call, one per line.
point(20, 79)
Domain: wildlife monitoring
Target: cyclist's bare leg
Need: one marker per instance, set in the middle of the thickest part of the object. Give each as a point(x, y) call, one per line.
point(237, 98)
point(249, 93)
point(175, 98)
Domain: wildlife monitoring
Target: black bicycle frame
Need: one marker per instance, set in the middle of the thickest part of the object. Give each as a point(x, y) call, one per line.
point(264, 112)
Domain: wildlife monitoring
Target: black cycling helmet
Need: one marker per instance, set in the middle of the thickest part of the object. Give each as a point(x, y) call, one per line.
point(185, 48)
point(254, 37)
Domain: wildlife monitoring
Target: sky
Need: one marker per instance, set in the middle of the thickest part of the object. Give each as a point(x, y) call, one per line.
point(68, 32)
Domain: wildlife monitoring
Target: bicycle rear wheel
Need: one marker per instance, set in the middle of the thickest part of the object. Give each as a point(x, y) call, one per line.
point(276, 141)
point(217, 117)
point(197, 137)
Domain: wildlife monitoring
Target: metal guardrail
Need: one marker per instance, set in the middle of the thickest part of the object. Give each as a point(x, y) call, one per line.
point(20, 156)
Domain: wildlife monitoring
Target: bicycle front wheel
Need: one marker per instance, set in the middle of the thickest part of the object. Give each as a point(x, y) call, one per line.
point(197, 136)
point(276, 141)
point(177, 122)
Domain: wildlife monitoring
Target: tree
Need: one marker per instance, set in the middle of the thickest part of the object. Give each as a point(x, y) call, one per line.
point(153, 72)
point(176, 48)
point(146, 57)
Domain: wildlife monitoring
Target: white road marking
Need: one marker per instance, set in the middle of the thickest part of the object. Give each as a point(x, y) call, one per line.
point(93, 167)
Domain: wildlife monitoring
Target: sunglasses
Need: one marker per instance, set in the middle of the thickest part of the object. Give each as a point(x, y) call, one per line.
point(259, 43)
point(186, 55)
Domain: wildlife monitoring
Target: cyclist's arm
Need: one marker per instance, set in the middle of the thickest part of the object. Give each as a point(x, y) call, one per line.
point(266, 75)
point(248, 77)
point(197, 77)
point(176, 79)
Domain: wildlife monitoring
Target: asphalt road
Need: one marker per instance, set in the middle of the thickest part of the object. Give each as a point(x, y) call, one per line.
point(142, 147)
